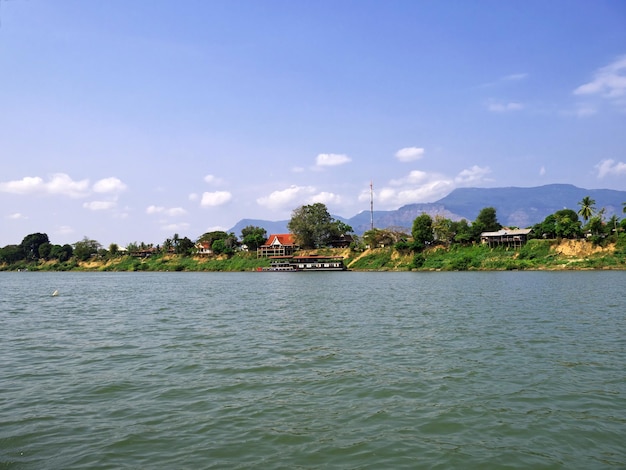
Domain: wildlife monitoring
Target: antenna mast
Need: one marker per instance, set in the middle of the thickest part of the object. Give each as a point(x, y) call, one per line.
point(371, 205)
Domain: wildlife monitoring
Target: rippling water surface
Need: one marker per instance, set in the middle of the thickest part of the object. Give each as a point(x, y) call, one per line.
point(313, 370)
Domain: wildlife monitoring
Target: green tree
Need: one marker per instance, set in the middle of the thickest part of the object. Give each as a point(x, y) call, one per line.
point(587, 208)
point(31, 243)
point(567, 224)
point(311, 225)
point(377, 237)
point(184, 246)
point(623, 207)
point(422, 231)
point(44, 250)
point(613, 223)
point(461, 232)
point(132, 247)
point(546, 228)
point(596, 225)
point(11, 254)
point(86, 248)
point(225, 245)
point(562, 224)
point(442, 229)
point(210, 237)
point(114, 249)
point(339, 228)
point(253, 237)
point(62, 253)
point(167, 245)
point(487, 220)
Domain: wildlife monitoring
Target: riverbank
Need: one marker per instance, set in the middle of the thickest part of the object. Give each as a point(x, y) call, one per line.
point(535, 255)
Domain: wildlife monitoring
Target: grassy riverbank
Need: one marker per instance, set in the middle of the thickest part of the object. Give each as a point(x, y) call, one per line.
point(535, 255)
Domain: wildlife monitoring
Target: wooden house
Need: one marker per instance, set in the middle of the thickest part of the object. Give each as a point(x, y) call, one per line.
point(512, 238)
point(343, 241)
point(282, 244)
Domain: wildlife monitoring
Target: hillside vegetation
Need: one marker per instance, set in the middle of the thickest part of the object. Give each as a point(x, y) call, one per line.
point(535, 255)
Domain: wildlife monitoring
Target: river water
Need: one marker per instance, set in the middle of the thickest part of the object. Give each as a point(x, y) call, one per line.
point(313, 370)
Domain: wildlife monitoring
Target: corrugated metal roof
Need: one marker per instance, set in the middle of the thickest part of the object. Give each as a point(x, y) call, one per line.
point(507, 231)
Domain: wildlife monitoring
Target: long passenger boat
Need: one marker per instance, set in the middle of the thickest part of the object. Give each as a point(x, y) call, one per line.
point(306, 263)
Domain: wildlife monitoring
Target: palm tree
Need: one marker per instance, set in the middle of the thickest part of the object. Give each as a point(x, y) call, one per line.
point(587, 208)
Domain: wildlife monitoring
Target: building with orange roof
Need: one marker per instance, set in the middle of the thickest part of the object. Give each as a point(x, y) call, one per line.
point(279, 244)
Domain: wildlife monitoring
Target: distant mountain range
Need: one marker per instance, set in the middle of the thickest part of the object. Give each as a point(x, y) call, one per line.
point(519, 207)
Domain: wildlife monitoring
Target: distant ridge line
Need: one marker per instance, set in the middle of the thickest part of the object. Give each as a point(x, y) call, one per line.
point(515, 206)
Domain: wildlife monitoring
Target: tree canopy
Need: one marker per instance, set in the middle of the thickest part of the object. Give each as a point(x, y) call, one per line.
point(587, 208)
point(422, 231)
point(31, 243)
point(487, 221)
point(313, 226)
point(220, 242)
point(84, 249)
point(253, 237)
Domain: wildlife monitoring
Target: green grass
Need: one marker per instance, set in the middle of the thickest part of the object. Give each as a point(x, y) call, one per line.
point(378, 260)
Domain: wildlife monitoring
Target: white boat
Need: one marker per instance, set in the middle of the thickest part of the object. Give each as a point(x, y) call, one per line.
point(306, 263)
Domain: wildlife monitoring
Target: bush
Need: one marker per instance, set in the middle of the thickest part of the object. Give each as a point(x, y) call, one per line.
point(418, 260)
point(534, 249)
point(403, 246)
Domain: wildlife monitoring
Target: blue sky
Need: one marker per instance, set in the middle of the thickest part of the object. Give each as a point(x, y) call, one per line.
point(129, 121)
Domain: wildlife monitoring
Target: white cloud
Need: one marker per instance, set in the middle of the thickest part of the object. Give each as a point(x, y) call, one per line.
point(175, 211)
point(428, 192)
point(325, 198)
point(99, 205)
point(331, 159)
point(109, 185)
point(417, 186)
point(610, 168)
point(472, 175)
point(212, 179)
point(499, 107)
point(608, 81)
point(542, 171)
point(420, 186)
point(414, 177)
point(58, 183)
point(391, 197)
point(28, 184)
point(409, 154)
point(216, 198)
point(285, 197)
point(193, 197)
point(172, 211)
point(17, 216)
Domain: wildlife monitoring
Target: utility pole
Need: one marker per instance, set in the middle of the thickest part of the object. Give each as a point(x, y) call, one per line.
point(371, 205)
